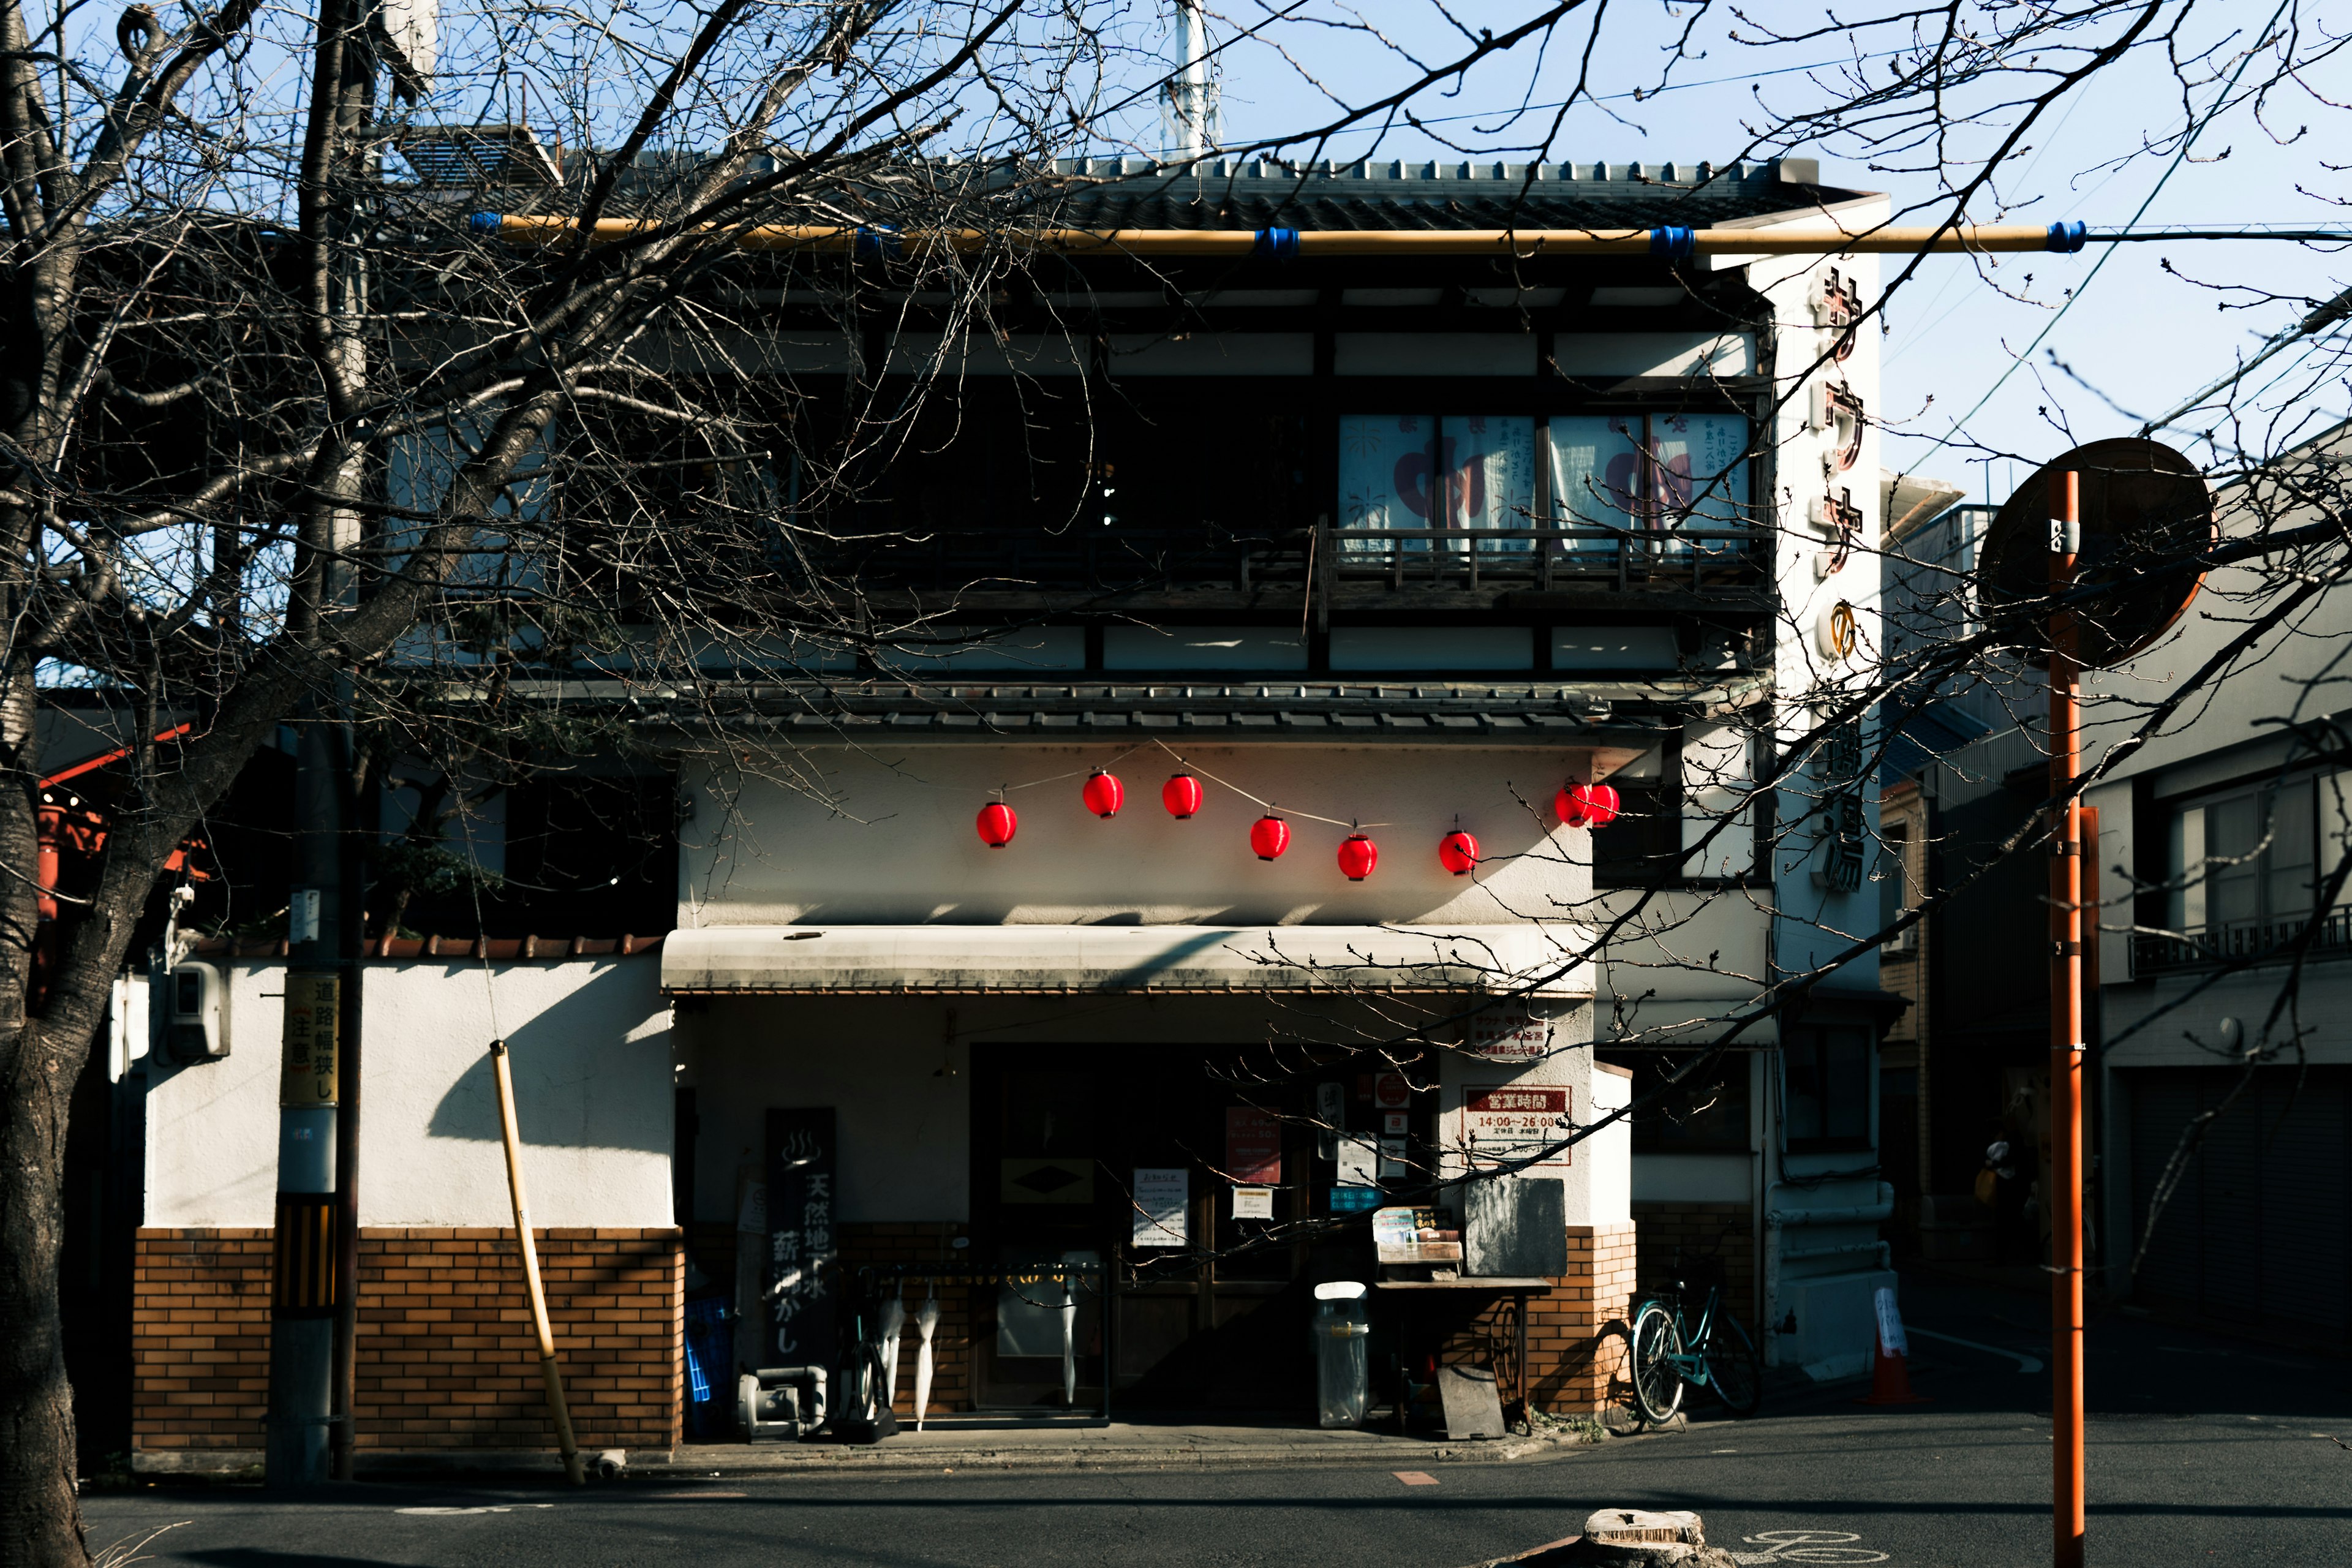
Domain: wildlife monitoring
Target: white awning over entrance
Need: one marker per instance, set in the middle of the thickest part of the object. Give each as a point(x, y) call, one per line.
point(1057, 959)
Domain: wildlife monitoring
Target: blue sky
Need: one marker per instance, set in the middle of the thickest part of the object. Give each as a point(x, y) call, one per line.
point(2143, 338)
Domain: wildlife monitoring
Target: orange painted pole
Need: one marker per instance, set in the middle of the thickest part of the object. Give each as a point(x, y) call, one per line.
point(2067, 935)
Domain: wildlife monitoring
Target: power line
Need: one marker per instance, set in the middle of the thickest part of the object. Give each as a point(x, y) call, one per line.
point(2186, 142)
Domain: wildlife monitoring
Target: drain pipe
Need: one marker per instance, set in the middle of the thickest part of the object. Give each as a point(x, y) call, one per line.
point(1776, 1219)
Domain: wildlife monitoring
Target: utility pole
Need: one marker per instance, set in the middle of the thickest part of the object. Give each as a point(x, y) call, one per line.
point(2066, 938)
point(314, 1258)
point(303, 1273)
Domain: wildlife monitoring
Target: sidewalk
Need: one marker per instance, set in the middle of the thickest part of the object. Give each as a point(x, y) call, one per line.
point(1047, 1444)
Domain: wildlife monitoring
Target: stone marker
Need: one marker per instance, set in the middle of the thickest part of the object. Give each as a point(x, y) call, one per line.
point(1634, 1538)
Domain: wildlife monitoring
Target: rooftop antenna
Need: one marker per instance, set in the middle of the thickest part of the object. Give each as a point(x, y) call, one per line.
point(1188, 110)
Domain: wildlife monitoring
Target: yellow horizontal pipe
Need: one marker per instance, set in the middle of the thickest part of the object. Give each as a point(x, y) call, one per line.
point(1522, 242)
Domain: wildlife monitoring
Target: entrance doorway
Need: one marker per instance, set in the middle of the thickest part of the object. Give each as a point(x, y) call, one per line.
point(1216, 1322)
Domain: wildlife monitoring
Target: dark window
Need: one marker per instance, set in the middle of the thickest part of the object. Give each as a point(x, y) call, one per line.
point(1828, 1067)
point(1706, 1112)
point(1644, 848)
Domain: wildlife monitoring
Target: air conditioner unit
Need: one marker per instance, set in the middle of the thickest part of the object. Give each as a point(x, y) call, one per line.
point(188, 1011)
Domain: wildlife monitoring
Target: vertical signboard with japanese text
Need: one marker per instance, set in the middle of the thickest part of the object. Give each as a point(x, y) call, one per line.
point(803, 1248)
point(307, 1074)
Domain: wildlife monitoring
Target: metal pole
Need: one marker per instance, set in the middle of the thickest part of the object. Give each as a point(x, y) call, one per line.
point(350, 934)
point(2066, 937)
point(303, 1297)
point(547, 1372)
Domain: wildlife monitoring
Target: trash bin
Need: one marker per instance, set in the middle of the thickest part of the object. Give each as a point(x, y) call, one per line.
point(1342, 1379)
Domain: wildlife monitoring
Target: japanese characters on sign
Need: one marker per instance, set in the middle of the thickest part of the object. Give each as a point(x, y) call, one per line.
point(1253, 1147)
point(1509, 1034)
point(1162, 1194)
point(803, 1250)
point(1253, 1203)
point(1513, 1121)
point(307, 1071)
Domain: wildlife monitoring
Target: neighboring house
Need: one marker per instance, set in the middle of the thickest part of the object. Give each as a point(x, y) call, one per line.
point(2212, 840)
point(966, 1063)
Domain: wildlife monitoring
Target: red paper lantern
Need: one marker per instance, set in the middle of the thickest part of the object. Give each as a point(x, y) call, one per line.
point(997, 824)
point(1357, 856)
point(1182, 796)
point(1586, 805)
point(1103, 793)
point(1269, 836)
point(1458, 853)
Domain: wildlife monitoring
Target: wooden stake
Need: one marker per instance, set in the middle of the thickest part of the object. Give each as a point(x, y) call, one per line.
point(548, 1370)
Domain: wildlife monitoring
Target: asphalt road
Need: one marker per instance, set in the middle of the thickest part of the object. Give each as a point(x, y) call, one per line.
point(2200, 1452)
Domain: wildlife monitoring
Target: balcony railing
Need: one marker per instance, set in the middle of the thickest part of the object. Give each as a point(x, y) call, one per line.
point(2240, 942)
point(1127, 560)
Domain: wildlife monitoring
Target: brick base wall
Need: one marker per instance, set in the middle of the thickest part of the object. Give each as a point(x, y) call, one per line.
point(1576, 1335)
point(1683, 1235)
point(446, 1359)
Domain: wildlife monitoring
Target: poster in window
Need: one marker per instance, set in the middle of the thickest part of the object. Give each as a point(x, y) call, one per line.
point(1253, 1147)
point(1699, 470)
point(1489, 466)
point(1386, 474)
point(1162, 1194)
point(1595, 469)
point(804, 1251)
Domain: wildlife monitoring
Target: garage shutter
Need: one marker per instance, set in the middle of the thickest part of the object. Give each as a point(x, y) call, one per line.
point(2258, 1235)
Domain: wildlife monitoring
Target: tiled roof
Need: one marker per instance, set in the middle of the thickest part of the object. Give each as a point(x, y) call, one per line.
point(1404, 196)
point(1135, 193)
point(1534, 713)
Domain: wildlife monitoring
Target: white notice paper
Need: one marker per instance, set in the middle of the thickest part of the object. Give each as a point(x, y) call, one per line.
point(1253, 1203)
point(1359, 1162)
point(1161, 1196)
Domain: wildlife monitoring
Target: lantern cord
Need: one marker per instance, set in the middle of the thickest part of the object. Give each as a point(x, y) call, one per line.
point(1351, 824)
point(1259, 800)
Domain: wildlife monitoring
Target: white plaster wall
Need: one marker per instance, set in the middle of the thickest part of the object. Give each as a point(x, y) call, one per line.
point(2324, 1013)
point(1681, 956)
point(1609, 1169)
point(591, 1059)
point(901, 849)
point(1820, 924)
point(211, 1128)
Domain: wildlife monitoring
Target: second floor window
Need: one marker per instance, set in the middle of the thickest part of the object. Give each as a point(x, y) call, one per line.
point(2254, 857)
point(1411, 472)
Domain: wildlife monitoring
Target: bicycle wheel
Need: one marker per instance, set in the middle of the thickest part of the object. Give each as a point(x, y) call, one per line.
point(1733, 1368)
point(1657, 1381)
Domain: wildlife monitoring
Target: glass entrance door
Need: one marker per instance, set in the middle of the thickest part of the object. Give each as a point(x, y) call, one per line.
point(1131, 1156)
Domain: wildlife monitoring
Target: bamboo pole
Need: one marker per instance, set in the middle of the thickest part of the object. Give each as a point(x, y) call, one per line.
point(1810, 240)
point(548, 1370)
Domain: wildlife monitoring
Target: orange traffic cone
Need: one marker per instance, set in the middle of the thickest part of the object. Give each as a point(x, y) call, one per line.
point(1890, 1371)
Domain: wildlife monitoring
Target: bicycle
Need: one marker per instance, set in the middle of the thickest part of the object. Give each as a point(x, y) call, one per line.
point(1668, 1358)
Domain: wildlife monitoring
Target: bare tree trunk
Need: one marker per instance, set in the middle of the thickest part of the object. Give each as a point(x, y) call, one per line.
point(39, 1521)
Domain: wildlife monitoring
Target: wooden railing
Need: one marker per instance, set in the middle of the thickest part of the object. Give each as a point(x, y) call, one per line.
point(1118, 559)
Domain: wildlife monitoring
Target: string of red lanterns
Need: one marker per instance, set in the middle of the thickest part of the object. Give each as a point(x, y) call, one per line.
point(1590, 805)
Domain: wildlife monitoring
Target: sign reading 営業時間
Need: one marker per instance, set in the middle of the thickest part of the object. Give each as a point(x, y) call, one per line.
point(1515, 1122)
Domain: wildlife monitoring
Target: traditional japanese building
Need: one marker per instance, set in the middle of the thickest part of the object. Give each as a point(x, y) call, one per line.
point(1383, 548)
